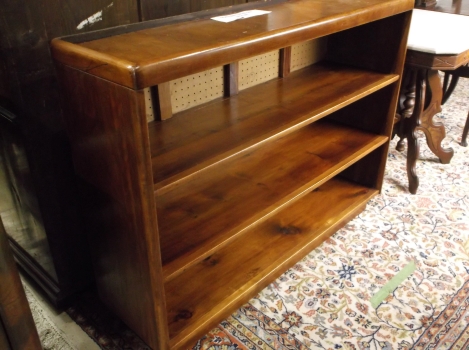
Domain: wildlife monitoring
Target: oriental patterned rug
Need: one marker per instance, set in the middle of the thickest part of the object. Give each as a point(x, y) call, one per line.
point(324, 301)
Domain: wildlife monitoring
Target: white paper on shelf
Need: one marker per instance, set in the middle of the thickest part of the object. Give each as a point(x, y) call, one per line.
point(240, 15)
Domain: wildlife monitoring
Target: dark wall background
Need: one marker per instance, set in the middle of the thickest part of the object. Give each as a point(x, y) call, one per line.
point(29, 87)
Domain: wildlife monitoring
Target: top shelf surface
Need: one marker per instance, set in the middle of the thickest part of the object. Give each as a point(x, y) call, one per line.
point(147, 57)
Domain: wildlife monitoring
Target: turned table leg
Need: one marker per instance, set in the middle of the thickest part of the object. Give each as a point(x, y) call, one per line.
point(416, 100)
point(434, 132)
point(422, 100)
point(408, 96)
point(413, 150)
point(464, 133)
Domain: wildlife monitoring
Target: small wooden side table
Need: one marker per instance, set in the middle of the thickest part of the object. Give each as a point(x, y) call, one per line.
point(435, 43)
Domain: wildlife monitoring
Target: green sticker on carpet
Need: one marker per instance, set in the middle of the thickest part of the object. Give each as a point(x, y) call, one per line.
point(392, 284)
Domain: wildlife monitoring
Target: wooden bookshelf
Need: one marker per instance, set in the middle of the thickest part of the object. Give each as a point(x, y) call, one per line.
point(194, 212)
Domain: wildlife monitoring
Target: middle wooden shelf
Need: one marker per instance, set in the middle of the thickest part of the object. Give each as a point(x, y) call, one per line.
point(221, 202)
point(204, 135)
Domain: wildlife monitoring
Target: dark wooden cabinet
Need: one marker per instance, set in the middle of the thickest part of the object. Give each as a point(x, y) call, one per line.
point(214, 161)
point(20, 209)
point(41, 218)
point(17, 329)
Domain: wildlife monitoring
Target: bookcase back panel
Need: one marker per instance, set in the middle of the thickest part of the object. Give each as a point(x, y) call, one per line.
point(203, 87)
point(149, 109)
point(196, 89)
point(307, 53)
point(258, 69)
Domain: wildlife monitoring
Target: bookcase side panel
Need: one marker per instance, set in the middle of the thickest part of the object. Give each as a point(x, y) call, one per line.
point(106, 125)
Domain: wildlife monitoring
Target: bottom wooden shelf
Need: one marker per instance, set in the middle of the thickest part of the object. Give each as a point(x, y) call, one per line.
point(214, 288)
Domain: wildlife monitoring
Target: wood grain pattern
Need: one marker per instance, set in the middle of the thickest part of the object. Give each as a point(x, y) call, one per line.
point(376, 104)
point(224, 127)
point(386, 55)
point(16, 321)
point(252, 261)
point(218, 204)
point(367, 172)
point(285, 62)
point(230, 79)
point(111, 152)
point(164, 101)
point(206, 43)
point(430, 61)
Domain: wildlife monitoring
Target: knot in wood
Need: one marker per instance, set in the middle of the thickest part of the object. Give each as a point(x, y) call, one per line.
point(288, 230)
point(183, 315)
